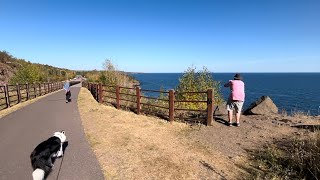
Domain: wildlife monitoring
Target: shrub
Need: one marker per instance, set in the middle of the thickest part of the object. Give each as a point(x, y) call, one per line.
point(112, 76)
point(27, 74)
point(197, 81)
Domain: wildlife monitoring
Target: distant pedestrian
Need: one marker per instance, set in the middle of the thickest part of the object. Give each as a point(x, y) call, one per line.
point(236, 98)
point(66, 87)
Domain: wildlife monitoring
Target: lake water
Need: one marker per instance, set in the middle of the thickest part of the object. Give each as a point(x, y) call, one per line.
point(289, 91)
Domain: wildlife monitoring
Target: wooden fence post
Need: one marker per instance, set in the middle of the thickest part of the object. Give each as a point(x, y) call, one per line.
point(27, 88)
point(138, 94)
point(171, 105)
point(210, 102)
point(100, 93)
point(18, 93)
point(118, 96)
point(34, 89)
point(6, 90)
point(39, 89)
point(97, 92)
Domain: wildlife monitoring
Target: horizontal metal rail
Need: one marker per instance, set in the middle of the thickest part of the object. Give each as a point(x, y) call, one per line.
point(183, 109)
point(200, 92)
point(108, 91)
point(3, 104)
point(128, 100)
point(110, 97)
point(143, 90)
point(147, 104)
point(125, 87)
point(148, 97)
point(190, 101)
point(128, 94)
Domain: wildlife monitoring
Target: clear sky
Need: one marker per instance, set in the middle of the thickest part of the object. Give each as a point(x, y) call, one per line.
point(165, 35)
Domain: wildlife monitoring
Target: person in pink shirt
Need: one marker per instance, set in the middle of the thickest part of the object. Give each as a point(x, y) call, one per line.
point(236, 98)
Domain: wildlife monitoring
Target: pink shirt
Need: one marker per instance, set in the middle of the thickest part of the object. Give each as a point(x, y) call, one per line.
point(237, 90)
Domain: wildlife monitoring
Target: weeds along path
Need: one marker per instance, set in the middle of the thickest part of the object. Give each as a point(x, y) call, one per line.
point(130, 146)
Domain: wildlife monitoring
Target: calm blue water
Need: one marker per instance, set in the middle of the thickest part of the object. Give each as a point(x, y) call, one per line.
point(289, 91)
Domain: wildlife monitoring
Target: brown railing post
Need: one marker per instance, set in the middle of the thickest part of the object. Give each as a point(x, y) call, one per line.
point(118, 96)
point(100, 93)
point(27, 88)
point(6, 90)
point(210, 102)
point(34, 89)
point(18, 93)
point(171, 105)
point(39, 89)
point(138, 93)
point(97, 92)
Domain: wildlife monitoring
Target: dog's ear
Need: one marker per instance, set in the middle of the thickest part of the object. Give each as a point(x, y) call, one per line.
point(62, 132)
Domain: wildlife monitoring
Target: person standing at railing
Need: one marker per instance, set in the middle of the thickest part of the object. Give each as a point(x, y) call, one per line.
point(236, 98)
point(66, 87)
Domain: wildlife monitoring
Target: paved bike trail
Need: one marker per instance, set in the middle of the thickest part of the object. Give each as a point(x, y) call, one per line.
point(22, 130)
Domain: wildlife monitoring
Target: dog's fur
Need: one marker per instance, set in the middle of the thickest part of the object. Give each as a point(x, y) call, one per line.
point(44, 155)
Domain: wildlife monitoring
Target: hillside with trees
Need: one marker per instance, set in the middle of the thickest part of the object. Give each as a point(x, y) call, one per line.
point(14, 70)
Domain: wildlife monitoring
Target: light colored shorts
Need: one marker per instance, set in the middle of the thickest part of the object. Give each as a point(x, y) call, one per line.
point(234, 105)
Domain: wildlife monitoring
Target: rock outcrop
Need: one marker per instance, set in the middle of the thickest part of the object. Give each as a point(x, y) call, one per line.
point(263, 106)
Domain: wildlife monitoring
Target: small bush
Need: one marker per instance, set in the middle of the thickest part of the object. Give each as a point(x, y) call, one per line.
point(27, 74)
point(197, 81)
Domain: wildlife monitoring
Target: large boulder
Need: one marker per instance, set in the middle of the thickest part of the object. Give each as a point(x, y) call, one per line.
point(263, 106)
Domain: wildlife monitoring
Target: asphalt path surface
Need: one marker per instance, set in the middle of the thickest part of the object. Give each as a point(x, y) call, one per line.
point(22, 130)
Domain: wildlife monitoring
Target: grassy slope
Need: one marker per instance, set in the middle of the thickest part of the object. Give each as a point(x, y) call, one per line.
point(130, 146)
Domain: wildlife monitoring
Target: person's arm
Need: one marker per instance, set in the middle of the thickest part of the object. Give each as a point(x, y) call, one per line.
point(228, 84)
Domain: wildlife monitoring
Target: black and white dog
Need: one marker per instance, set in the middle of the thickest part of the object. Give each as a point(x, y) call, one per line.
point(44, 155)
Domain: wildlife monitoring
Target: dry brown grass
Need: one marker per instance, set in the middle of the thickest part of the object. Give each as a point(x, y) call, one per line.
point(130, 146)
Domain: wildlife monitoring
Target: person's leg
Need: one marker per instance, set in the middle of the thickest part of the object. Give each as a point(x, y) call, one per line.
point(238, 114)
point(67, 98)
point(230, 112)
point(238, 107)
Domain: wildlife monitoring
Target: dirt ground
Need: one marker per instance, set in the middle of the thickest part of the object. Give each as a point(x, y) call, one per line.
point(130, 146)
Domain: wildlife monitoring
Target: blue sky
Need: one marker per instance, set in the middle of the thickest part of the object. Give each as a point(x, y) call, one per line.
point(165, 35)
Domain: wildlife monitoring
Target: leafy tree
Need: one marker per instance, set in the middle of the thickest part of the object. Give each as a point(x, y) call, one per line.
point(197, 81)
point(102, 78)
point(27, 74)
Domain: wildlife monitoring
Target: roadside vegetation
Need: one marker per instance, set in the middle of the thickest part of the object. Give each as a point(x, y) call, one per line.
point(293, 158)
point(14, 70)
point(192, 80)
point(197, 81)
